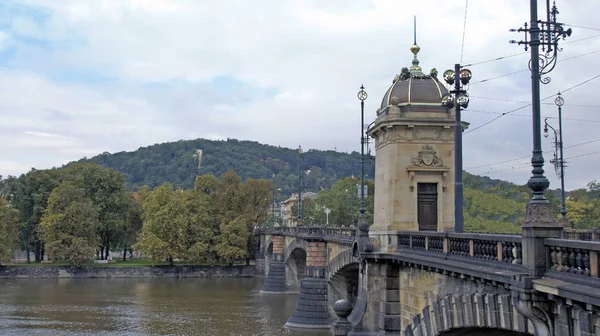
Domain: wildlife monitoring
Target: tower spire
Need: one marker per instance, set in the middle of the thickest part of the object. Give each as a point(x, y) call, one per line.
point(415, 29)
point(415, 50)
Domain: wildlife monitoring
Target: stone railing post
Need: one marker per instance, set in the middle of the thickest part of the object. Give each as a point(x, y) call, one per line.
point(275, 282)
point(540, 223)
point(311, 311)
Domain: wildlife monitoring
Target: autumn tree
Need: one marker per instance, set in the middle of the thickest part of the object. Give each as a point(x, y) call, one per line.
point(9, 221)
point(69, 225)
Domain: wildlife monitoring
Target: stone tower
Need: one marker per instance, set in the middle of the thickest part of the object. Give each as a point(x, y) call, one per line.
point(414, 165)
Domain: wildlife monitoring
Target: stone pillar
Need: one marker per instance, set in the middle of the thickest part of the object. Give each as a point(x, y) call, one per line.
point(311, 310)
point(275, 282)
point(365, 316)
point(540, 223)
point(389, 316)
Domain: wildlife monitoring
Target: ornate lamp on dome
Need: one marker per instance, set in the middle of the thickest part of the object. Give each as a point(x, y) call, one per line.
point(461, 98)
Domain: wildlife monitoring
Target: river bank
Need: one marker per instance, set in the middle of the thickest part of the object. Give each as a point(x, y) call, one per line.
point(53, 271)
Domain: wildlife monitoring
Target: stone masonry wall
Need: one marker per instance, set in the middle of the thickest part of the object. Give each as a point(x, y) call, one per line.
point(316, 256)
point(420, 288)
point(278, 244)
point(128, 272)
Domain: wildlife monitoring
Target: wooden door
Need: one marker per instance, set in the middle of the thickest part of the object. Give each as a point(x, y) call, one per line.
point(427, 215)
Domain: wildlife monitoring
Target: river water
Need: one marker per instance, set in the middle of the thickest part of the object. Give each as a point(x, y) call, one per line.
point(69, 307)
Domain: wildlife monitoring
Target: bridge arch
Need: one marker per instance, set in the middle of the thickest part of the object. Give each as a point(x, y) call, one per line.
point(343, 278)
point(295, 259)
point(470, 314)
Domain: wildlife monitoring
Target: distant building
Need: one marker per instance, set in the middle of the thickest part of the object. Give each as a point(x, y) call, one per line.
point(286, 207)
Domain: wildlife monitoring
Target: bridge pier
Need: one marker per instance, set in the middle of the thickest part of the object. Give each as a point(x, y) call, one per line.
point(275, 282)
point(312, 310)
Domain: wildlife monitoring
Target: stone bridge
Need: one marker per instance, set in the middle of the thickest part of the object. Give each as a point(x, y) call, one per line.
point(543, 282)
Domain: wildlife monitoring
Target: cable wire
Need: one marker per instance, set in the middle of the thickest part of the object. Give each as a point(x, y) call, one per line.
point(462, 48)
point(526, 52)
point(529, 104)
point(529, 115)
point(527, 165)
point(525, 101)
point(574, 26)
point(528, 156)
point(519, 71)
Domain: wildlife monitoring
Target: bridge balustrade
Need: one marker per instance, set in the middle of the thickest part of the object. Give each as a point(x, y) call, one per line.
point(337, 232)
point(581, 234)
point(493, 247)
point(573, 257)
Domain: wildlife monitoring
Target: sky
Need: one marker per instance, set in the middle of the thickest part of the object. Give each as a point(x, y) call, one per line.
point(83, 77)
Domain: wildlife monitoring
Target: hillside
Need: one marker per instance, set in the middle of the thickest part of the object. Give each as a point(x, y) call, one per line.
point(180, 162)
point(490, 205)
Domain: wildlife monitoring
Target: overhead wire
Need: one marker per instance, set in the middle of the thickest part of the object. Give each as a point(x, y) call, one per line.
point(529, 104)
point(529, 115)
point(462, 48)
point(526, 165)
point(581, 27)
point(525, 157)
point(519, 71)
point(525, 101)
point(525, 52)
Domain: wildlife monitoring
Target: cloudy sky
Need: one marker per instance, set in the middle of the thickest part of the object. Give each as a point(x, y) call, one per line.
point(80, 77)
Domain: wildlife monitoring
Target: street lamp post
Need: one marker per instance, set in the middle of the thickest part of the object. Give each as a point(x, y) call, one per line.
point(299, 186)
point(559, 160)
point(548, 36)
point(363, 227)
point(460, 77)
point(273, 205)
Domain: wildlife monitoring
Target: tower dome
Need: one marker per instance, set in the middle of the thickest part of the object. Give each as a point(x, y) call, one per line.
point(414, 88)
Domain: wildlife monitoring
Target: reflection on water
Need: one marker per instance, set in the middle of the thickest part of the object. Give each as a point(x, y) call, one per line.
point(143, 307)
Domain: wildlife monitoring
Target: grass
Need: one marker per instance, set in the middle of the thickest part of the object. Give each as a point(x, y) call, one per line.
point(119, 263)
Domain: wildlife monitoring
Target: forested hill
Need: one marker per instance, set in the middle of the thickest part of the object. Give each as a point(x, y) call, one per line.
point(490, 205)
point(180, 162)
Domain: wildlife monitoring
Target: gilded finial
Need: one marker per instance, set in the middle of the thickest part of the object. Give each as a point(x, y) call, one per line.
point(415, 50)
point(415, 47)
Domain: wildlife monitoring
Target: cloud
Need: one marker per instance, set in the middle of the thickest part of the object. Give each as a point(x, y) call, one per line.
point(114, 75)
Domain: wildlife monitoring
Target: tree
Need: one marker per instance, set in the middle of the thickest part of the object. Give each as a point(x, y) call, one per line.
point(234, 238)
point(133, 225)
point(106, 188)
point(206, 184)
point(9, 219)
point(69, 225)
point(344, 202)
point(176, 225)
point(255, 200)
point(29, 194)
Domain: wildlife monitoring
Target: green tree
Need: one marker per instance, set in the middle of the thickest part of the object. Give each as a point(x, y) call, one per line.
point(106, 188)
point(206, 184)
point(69, 225)
point(9, 220)
point(29, 194)
point(176, 225)
point(234, 238)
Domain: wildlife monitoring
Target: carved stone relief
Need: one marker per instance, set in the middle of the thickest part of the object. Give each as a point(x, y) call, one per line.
point(427, 133)
point(427, 157)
